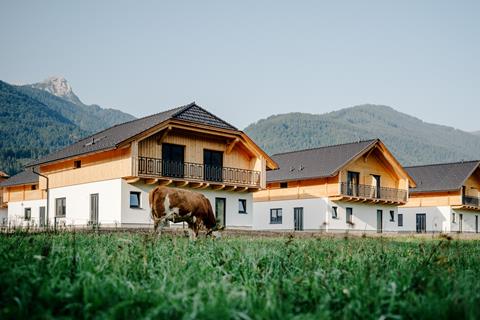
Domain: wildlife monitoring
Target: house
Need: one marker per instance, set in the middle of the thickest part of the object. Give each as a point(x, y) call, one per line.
point(105, 178)
point(26, 201)
point(446, 199)
point(3, 205)
point(355, 186)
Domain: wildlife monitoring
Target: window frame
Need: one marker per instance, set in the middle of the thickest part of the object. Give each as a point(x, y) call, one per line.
point(392, 215)
point(29, 209)
point(283, 185)
point(244, 211)
point(64, 207)
point(279, 218)
point(400, 220)
point(334, 212)
point(139, 198)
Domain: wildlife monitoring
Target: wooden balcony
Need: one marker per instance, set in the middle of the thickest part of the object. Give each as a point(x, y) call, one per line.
point(368, 193)
point(196, 175)
point(470, 203)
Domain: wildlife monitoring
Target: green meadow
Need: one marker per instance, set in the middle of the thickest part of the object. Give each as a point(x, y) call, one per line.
point(132, 275)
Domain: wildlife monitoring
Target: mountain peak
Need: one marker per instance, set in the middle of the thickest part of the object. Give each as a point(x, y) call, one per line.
point(58, 86)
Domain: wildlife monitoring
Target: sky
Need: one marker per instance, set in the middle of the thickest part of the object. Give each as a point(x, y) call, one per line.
point(247, 60)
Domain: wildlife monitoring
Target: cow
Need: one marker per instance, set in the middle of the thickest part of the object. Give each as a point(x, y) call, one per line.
point(178, 205)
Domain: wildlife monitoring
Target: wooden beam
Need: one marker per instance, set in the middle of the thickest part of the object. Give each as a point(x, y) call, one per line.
point(165, 182)
point(369, 152)
point(164, 135)
point(182, 183)
point(205, 186)
point(196, 185)
point(151, 181)
point(230, 188)
point(242, 189)
point(218, 187)
point(132, 179)
point(231, 145)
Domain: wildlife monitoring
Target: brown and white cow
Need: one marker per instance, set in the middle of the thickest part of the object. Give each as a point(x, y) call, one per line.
point(178, 205)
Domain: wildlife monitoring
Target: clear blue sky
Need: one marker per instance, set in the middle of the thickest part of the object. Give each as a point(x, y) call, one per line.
point(246, 60)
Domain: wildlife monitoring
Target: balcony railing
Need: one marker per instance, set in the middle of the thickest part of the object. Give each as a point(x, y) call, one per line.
point(471, 201)
point(155, 167)
point(373, 192)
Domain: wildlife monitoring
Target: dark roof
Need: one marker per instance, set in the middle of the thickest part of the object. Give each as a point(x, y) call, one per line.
point(25, 177)
point(316, 163)
point(441, 177)
point(112, 137)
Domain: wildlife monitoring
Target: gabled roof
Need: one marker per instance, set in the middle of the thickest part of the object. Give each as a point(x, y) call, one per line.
point(441, 177)
point(316, 163)
point(25, 177)
point(110, 138)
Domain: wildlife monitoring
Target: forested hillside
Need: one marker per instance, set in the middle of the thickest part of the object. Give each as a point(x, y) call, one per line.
point(410, 139)
point(35, 122)
point(30, 129)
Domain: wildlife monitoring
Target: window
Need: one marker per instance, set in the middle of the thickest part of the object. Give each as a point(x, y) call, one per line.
point(60, 207)
point(335, 212)
point(392, 215)
point(283, 185)
point(350, 215)
point(134, 199)
point(34, 187)
point(275, 216)
point(28, 214)
point(454, 218)
point(400, 219)
point(77, 164)
point(242, 206)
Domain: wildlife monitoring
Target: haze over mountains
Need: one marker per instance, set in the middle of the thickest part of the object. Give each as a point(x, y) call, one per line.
point(411, 140)
point(39, 118)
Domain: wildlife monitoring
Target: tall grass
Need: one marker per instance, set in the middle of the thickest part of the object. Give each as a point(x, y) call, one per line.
point(143, 276)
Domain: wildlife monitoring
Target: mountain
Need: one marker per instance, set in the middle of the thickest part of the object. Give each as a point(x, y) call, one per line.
point(57, 93)
point(43, 117)
point(410, 139)
point(30, 129)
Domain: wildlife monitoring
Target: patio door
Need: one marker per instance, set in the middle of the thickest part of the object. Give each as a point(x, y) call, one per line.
point(298, 218)
point(421, 222)
point(379, 221)
point(173, 156)
point(353, 179)
point(220, 211)
point(213, 165)
point(41, 218)
point(94, 209)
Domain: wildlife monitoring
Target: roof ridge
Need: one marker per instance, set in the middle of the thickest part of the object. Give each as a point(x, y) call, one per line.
point(441, 164)
point(322, 147)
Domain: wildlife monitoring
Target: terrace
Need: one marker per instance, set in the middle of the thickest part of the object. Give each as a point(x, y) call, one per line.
point(369, 193)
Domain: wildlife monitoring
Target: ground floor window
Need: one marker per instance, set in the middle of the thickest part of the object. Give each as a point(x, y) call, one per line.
point(275, 216)
point(392, 215)
point(400, 220)
point(454, 218)
point(60, 207)
point(27, 213)
point(335, 212)
point(349, 215)
point(242, 206)
point(134, 199)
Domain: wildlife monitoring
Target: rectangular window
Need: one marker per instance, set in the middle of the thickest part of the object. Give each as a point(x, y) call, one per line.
point(275, 216)
point(134, 199)
point(34, 187)
point(392, 215)
point(400, 219)
point(242, 206)
point(335, 212)
point(77, 164)
point(350, 215)
point(28, 214)
point(283, 185)
point(60, 207)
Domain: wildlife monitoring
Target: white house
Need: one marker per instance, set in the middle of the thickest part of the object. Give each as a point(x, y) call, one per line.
point(446, 199)
point(355, 186)
point(105, 178)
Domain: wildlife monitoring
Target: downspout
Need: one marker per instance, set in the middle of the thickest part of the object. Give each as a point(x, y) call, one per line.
point(48, 195)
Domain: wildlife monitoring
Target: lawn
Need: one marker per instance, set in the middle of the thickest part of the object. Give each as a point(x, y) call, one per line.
point(127, 275)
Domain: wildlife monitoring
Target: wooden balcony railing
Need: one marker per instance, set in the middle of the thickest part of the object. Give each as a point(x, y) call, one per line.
point(471, 201)
point(155, 167)
point(373, 192)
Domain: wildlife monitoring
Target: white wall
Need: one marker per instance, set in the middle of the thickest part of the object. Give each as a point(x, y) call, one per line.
point(468, 224)
point(78, 202)
point(16, 212)
point(437, 218)
point(317, 215)
point(234, 219)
